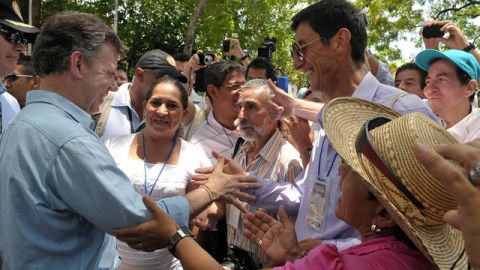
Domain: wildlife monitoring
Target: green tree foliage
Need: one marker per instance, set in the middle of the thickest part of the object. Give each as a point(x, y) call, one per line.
point(148, 24)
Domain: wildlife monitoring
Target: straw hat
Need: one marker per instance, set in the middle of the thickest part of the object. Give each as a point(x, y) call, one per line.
point(344, 119)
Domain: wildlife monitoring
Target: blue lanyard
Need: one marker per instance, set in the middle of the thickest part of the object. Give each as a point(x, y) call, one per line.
point(320, 159)
point(224, 131)
point(145, 164)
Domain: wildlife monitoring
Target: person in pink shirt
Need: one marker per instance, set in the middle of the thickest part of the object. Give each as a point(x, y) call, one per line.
point(391, 199)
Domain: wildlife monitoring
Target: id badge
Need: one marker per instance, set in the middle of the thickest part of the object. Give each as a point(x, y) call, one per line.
point(317, 205)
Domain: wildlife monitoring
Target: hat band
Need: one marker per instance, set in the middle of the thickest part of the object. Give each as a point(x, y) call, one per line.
point(363, 144)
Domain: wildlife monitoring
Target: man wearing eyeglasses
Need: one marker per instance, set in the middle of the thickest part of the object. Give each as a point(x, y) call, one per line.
point(329, 47)
point(223, 80)
point(122, 111)
point(22, 80)
point(14, 36)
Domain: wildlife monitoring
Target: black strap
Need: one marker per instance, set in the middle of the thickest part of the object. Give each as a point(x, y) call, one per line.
point(129, 111)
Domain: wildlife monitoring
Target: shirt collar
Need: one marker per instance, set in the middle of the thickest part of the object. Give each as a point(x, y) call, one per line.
point(42, 96)
point(270, 149)
point(2, 88)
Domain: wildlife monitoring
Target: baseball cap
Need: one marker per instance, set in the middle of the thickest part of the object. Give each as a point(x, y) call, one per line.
point(11, 17)
point(162, 63)
point(463, 60)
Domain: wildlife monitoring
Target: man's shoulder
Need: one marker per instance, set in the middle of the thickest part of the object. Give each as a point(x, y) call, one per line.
point(9, 101)
point(203, 132)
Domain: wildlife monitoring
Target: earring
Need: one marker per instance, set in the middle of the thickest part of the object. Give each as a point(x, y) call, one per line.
point(375, 230)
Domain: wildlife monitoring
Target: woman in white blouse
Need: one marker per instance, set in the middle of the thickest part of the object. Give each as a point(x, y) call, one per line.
point(158, 162)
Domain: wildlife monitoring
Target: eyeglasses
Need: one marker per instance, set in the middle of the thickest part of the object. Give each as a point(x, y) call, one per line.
point(232, 86)
point(363, 144)
point(13, 77)
point(298, 51)
point(16, 38)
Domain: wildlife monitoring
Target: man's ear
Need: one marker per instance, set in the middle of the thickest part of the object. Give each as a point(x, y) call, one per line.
point(342, 39)
point(36, 82)
point(212, 91)
point(471, 87)
point(139, 74)
point(77, 64)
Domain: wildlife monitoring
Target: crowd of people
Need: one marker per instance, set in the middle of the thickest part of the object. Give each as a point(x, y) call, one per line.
point(361, 170)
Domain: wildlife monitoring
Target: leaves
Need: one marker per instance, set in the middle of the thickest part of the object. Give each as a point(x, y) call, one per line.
point(162, 24)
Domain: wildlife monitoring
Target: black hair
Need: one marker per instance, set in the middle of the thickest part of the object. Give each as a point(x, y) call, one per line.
point(182, 57)
point(174, 82)
point(216, 73)
point(262, 63)
point(326, 17)
point(27, 66)
point(413, 66)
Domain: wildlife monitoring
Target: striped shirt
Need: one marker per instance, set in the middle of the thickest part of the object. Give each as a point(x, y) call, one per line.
point(211, 135)
point(279, 161)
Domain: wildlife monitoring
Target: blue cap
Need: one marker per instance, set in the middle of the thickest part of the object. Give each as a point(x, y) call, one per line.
point(463, 60)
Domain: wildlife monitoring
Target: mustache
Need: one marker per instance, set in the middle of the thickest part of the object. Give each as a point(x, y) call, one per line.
point(245, 124)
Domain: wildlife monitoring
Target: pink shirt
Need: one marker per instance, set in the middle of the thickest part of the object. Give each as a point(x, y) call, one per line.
point(380, 253)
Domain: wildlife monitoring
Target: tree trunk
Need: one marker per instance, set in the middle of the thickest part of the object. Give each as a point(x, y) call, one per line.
point(192, 26)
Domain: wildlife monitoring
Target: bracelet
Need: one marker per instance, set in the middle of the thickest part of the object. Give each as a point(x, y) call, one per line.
point(244, 57)
point(209, 191)
point(469, 47)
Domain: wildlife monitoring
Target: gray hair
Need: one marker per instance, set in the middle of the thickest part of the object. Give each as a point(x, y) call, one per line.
point(259, 85)
point(66, 32)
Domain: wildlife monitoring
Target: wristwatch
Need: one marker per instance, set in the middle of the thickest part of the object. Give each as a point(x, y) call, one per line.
point(469, 47)
point(181, 233)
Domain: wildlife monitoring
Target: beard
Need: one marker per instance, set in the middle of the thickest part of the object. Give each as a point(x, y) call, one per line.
point(249, 132)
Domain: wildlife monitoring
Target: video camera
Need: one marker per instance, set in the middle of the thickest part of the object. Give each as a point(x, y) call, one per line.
point(267, 48)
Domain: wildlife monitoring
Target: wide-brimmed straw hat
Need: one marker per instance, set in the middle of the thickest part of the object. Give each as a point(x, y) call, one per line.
point(419, 213)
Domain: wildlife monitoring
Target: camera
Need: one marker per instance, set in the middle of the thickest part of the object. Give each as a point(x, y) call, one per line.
point(239, 259)
point(267, 48)
point(206, 58)
point(433, 31)
point(226, 45)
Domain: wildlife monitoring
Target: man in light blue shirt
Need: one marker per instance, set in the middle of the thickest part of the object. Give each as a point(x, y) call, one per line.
point(61, 194)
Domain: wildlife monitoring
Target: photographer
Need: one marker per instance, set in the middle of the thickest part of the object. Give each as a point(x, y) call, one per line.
point(232, 49)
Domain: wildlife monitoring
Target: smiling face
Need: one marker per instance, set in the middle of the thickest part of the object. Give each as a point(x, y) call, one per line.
point(224, 98)
point(444, 91)
point(164, 111)
point(99, 76)
point(318, 59)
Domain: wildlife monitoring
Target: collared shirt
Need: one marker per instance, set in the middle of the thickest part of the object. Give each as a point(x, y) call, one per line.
point(278, 161)
point(123, 117)
point(61, 191)
point(297, 197)
point(9, 107)
point(213, 136)
point(467, 129)
point(379, 253)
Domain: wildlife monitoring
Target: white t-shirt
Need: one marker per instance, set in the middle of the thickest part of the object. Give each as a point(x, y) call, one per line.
point(9, 108)
point(172, 182)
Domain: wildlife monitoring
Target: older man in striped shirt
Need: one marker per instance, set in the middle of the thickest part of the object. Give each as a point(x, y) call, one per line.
point(266, 153)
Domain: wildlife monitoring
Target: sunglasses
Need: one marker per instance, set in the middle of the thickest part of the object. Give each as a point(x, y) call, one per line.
point(363, 144)
point(13, 77)
point(298, 51)
point(16, 38)
point(232, 86)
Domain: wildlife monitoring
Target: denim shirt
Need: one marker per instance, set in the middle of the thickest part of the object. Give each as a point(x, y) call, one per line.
point(61, 193)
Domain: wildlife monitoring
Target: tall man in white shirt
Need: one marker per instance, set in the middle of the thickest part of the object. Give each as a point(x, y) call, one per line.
point(122, 111)
point(223, 81)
